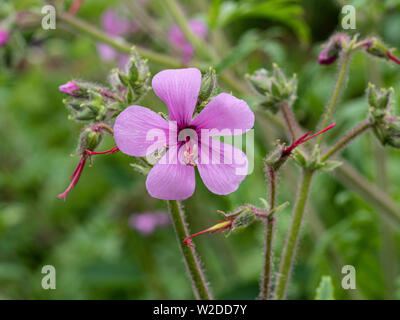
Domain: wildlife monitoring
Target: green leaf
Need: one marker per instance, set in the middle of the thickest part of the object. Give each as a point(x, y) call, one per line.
point(287, 12)
point(247, 44)
point(325, 289)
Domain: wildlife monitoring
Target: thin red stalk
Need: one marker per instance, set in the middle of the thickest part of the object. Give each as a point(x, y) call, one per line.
point(75, 177)
point(188, 240)
point(305, 138)
point(392, 57)
point(110, 151)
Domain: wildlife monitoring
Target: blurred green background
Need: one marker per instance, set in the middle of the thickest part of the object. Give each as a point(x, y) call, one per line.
point(88, 239)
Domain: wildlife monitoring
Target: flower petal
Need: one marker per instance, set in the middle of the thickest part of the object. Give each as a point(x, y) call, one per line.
point(179, 89)
point(170, 179)
point(225, 112)
point(138, 131)
point(223, 168)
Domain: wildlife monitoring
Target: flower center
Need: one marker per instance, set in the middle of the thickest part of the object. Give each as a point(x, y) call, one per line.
point(190, 155)
point(190, 146)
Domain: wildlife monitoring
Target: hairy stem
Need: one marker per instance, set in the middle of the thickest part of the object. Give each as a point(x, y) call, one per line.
point(346, 139)
point(289, 120)
point(118, 43)
point(192, 263)
point(338, 89)
point(266, 277)
point(292, 238)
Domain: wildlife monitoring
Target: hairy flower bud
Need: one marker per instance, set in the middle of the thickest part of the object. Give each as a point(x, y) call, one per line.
point(89, 139)
point(332, 50)
point(377, 48)
point(208, 86)
point(275, 87)
point(72, 89)
point(132, 81)
point(243, 219)
point(386, 125)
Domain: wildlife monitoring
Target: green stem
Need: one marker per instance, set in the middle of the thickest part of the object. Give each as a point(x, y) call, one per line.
point(201, 47)
point(192, 263)
point(368, 191)
point(340, 81)
point(292, 238)
point(118, 43)
point(289, 120)
point(266, 278)
point(346, 139)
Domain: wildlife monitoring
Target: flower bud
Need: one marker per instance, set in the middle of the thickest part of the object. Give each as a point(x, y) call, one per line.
point(243, 219)
point(259, 80)
point(376, 47)
point(135, 77)
point(385, 124)
point(275, 88)
point(89, 139)
point(72, 89)
point(380, 99)
point(275, 159)
point(208, 86)
point(333, 48)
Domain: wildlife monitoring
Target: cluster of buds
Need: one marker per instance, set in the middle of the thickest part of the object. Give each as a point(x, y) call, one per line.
point(333, 48)
point(132, 82)
point(386, 124)
point(91, 102)
point(88, 102)
point(275, 87)
point(377, 48)
point(97, 105)
point(207, 90)
point(340, 41)
point(281, 154)
point(241, 218)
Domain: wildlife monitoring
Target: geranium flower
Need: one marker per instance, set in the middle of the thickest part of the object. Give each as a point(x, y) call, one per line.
point(222, 167)
point(178, 39)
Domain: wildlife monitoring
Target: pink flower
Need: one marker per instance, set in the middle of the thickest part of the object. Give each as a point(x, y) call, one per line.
point(114, 26)
point(69, 88)
point(147, 222)
point(4, 35)
point(173, 176)
point(179, 40)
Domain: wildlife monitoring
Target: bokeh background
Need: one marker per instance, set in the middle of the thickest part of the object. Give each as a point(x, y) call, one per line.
point(90, 239)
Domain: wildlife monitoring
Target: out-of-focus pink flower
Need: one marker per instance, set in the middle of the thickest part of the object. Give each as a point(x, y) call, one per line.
point(114, 26)
point(147, 222)
point(178, 39)
point(222, 167)
point(4, 35)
